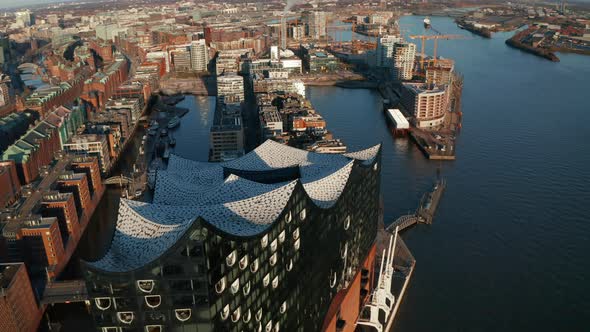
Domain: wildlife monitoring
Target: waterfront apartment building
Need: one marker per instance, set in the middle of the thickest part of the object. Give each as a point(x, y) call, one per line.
point(427, 104)
point(316, 23)
point(227, 133)
point(18, 306)
point(280, 239)
point(230, 88)
point(270, 85)
point(404, 55)
point(199, 53)
point(384, 52)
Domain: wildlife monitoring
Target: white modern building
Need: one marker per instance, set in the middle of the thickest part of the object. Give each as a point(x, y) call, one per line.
point(23, 18)
point(403, 60)
point(297, 32)
point(428, 104)
point(93, 145)
point(230, 88)
point(384, 53)
point(199, 55)
point(316, 24)
point(274, 53)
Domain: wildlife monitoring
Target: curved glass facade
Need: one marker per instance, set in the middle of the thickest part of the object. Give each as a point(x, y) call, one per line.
point(283, 278)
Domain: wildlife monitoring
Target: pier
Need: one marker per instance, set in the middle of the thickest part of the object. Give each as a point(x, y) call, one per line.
point(397, 264)
point(425, 212)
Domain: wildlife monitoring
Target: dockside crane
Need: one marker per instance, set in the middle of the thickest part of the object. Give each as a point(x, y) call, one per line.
point(436, 38)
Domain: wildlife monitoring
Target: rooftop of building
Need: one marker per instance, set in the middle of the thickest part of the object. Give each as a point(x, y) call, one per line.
point(223, 196)
point(38, 223)
point(227, 117)
point(7, 273)
point(85, 138)
point(271, 115)
point(71, 176)
point(56, 196)
point(423, 88)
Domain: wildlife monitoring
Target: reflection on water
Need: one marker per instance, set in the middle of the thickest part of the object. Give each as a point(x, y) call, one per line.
point(192, 137)
point(509, 247)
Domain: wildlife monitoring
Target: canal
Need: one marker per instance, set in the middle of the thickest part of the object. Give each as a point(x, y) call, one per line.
point(193, 142)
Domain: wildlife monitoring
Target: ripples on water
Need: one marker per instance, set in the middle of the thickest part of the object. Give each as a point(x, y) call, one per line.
point(510, 246)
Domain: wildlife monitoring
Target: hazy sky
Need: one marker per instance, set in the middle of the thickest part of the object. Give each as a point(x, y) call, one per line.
point(20, 3)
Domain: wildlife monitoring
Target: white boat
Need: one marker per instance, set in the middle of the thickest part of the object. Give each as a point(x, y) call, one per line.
point(427, 22)
point(174, 122)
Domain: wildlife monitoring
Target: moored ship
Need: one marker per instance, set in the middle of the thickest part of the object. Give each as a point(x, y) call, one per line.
point(174, 122)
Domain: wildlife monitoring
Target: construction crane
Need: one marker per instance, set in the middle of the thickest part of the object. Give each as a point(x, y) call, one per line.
point(424, 38)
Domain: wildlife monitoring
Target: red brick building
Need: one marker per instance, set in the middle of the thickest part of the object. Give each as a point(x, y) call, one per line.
point(77, 184)
point(347, 304)
point(34, 150)
point(42, 244)
point(19, 311)
point(9, 183)
point(102, 85)
point(62, 206)
point(90, 166)
point(45, 99)
point(226, 34)
point(103, 49)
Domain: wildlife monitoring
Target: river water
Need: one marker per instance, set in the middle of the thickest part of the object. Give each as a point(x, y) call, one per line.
point(510, 245)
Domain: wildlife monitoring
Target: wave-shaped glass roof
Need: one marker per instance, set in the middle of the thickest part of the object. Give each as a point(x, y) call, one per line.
point(188, 189)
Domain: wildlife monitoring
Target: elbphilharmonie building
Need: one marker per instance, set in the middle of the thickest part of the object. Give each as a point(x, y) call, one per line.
point(280, 239)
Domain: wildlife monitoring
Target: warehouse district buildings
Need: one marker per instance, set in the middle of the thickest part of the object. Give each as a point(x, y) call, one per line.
point(279, 239)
